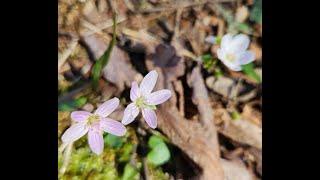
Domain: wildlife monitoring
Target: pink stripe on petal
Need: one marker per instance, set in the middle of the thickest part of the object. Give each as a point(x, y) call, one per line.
point(158, 97)
point(107, 107)
point(148, 82)
point(113, 127)
point(130, 113)
point(95, 140)
point(80, 116)
point(75, 132)
point(150, 117)
point(135, 91)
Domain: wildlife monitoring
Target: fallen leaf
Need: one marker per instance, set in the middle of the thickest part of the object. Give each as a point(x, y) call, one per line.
point(240, 130)
point(119, 70)
point(235, 170)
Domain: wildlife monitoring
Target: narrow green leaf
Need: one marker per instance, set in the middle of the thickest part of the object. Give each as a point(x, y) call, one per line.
point(256, 12)
point(103, 60)
point(72, 105)
point(248, 69)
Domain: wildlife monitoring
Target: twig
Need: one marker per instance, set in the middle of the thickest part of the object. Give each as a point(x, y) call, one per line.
point(181, 4)
point(177, 23)
point(179, 87)
point(145, 169)
point(98, 28)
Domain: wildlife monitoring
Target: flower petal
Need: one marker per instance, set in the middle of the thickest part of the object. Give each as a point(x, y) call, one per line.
point(113, 127)
point(247, 57)
point(232, 66)
point(226, 41)
point(134, 91)
point(150, 117)
point(130, 113)
point(75, 132)
point(107, 107)
point(158, 97)
point(80, 116)
point(235, 66)
point(95, 140)
point(240, 43)
point(148, 82)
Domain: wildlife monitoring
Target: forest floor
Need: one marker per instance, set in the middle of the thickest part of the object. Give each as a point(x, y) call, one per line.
point(212, 124)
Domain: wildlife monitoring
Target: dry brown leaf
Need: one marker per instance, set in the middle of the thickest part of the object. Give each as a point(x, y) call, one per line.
point(239, 130)
point(235, 170)
point(201, 99)
point(252, 115)
point(223, 85)
point(119, 69)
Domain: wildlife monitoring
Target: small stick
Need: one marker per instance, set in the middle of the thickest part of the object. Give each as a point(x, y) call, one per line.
point(178, 86)
point(98, 28)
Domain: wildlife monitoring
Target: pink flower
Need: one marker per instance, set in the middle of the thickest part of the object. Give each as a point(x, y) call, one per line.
point(94, 124)
point(145, 101)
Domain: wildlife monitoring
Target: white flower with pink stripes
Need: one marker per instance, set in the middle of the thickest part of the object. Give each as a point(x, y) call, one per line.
point(94, 124)
point(233, 51)
point(143, 99)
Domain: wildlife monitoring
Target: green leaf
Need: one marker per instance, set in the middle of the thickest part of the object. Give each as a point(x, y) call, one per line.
point(154, 141)
point(72, 105)
point(103, 60)
point(206, 57)
point(248, 69)
point(113, 141)
point(129, 172)
point(159, 153)
point(209, 62)
point(245, 28)
point(256, 12)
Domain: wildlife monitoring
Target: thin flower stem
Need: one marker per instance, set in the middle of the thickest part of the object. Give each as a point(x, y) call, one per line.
point(62, 147)
point(66, 159)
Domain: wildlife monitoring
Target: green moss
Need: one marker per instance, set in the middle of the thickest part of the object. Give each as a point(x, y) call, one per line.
point(84, 164)
point(157, 173)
